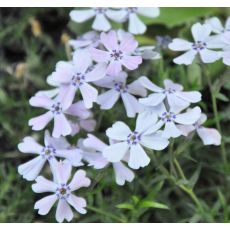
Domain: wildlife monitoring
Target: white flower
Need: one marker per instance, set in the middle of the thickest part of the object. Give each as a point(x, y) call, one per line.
point(118, 88)
point(202, 45)
point(170, 119)
point(131, 142)
point(62, 192)
point(101, 15)
point(217, 26)
point(54, 147)
point(176, 97)
point(209, 136)
point(92, 149)
point(136, 26)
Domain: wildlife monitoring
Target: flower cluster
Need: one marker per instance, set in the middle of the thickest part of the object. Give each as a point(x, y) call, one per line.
point(104, 61)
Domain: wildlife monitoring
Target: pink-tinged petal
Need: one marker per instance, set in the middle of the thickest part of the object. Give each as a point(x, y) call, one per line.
point(29, 145)
point(138, 157)
point(40, 122)
point(154, 141)
point(109, 40)
point(119, 131)
point(115, 152)
point(41, 101)
point(62, 171)
point(201, 32)
point(101, 23)
point(81, 60)
point(136, 26)
point(131, 62)
point(94, 143)
point(31, 169)
point(43, 185)
point(122, 173)
point(75, 128)
point(63, 73)
point(95, 159)
point(89, 95)
point(79, 180)
point(191, 96)
point(186, 58)
point(107, 99)
point(48, 93)
point(179, 44)
point(61, 126)
point(128, 44)
point(190, 117)
point(82, 15)
point(78, 203)
point(186, 129)
point(149, 85)
point(144, 121)
point(78, 109)
point(132, 106)
point(99, 55)
point(63, 211)
point(73, 155)
point(136, 88)
point(97, 73)
point(171, 130)
point(68, 96)
point(114, 68)
point(171, 85)
point(176, 103)
point(209, 136)
point(106, 82)
point(151, 12)
point(88, 125)
point(209, 56)
point(45, 204)
point(153, 99)
point(76, 44)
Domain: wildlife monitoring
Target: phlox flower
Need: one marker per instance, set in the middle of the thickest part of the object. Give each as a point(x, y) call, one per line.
point(131, 142)
point(58, 111)
point(209, 136)
point(135, 25)
point(118, 88)
point(217, 26)
point(92, 149)
point(202, 45)
point(62, 192)
point(53, 148)
point(77, 75)
point(169, 119)
point(117, 54)
point(100, 15)
point(176, 97)
point(225, 53)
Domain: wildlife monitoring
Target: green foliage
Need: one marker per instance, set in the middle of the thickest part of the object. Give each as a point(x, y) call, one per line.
point(188, 182)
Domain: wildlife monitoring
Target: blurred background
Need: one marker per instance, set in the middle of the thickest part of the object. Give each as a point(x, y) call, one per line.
point(32, 41)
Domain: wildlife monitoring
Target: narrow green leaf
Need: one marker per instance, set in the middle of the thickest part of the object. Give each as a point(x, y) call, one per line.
point(125, 206)
point(152, 204)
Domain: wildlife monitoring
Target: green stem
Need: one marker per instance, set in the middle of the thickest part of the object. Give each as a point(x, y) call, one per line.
point(179, 169)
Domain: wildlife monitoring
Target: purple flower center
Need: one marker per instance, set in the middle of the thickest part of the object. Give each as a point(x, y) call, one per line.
point(48, 152)
point(63, 191)
point(132, 10)
point(199, 45)
point(169, 91)
point(168, 117)
point(56, 108)
point(133, 138)
point(116, 55)
point(78, 79)
point(100, 10)
point(120, 87)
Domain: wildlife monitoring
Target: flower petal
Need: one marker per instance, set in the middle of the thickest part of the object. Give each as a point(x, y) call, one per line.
point(176, 103)
point(136, 26)
point(109, 40)
point(78, 203)
point(43, 185)
point(107, 99)
point(136, 88)
point(192, 96)
point(78, 109)
point(131, 62)
point(138, 157)
point(200, 32)
point(99, 55)
point(94, 143)
point(97, 73)
point(62, 171)
point(82, 15)
point(209, 136)
point(150, 12)
point(185, 129)
point(81, 61)
point(116, 15)
point(119, 131)
point(149, 85)
point(128, 44)
point(153, 99)
point(179, 44)
point(41, 101)
point(171, 130)
point(79, 180)
point(63, 211)
point(186, 58)
point(95, 159)
point(209, 56)
point(73, 155)
point(88, 125)
point(101, 23)
point(171, 85)
point(45, 204)
point(215, 24)
point(29, 145)
point(114, 68)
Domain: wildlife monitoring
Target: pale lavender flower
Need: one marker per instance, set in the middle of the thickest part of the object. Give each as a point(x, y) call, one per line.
point(119, 88)
point(217, 26)
point(100, 15)
point(131, 142)
point(169, 119)
point(62, 192)
point(117, 54)
point(53, 148)
point(202, 45)
point(209, 136)
point(176, 97)
point(77, 75)
point(92, 149)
